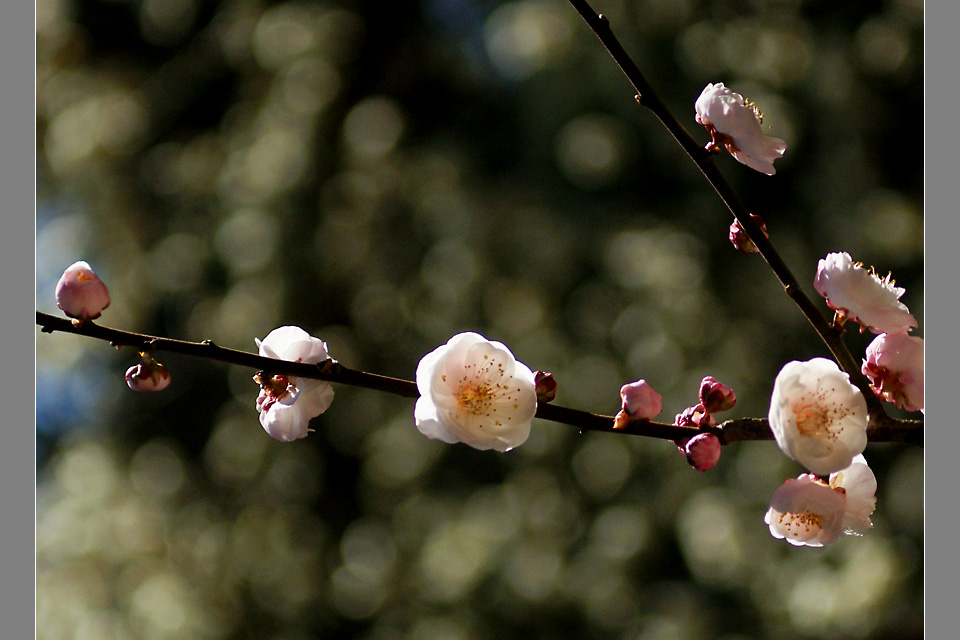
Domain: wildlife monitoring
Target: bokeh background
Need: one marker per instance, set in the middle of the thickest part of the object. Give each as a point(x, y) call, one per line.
point(387, 174)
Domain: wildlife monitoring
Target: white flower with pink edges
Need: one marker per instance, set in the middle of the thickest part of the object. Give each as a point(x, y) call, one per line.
point(809, 512)
point(735, 123)
point(861, 296)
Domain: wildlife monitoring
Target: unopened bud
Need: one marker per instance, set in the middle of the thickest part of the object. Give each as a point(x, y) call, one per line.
point(716, 396)
point(640, 401)
point(703, 451)
point(80, 293)
point(149, 375)
point(694, 416)
point(621, 420)
point(739, 238)
point(546, 386)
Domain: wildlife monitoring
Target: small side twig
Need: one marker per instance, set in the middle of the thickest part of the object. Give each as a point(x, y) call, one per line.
point(647, 97)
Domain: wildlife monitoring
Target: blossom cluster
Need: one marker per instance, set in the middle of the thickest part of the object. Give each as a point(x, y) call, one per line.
point(894, 360)
point(703, 450)
point(474, 391)
point(819, 417)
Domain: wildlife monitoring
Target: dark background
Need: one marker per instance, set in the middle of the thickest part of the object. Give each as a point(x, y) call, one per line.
point(385, 175)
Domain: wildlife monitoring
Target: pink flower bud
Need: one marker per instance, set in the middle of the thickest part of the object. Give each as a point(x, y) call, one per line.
point(739, 238)
point(149, 375)
point(641, 401)
point(80, 293)
point(894, 365)
point(694, 416)
point(546, 386)
point(715, 396)
point(703, 451)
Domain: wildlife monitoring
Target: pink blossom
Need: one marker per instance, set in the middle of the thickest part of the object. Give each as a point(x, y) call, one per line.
point(640, 401)
point(806, 512)
point(149, 375)
point(735, 123)
point(287, 403)
point(80, 293)
point(703, 451)
point(861, 295)
point(810, 512)
point(716, 396)
point(818, 417)
point(894, 365)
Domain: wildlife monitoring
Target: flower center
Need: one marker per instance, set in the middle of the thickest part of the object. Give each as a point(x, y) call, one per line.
point(273, 389)
point(476, 397)
point(483, 389)
point(818, 418)
point(797, 523)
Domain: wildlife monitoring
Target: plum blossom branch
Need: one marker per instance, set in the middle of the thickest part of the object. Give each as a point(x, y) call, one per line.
point(738, 430)
point(647, 97)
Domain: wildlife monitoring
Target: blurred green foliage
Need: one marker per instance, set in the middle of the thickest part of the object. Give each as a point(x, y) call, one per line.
point(387, 174)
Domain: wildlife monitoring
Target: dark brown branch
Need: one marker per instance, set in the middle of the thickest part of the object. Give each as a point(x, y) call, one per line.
point(647, 97)
point(332, 371)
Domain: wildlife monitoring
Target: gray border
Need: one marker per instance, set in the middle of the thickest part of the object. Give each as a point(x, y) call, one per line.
point(942, 228)
point(17, 442)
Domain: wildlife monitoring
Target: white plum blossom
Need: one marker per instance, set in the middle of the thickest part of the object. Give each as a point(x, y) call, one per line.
point(806, 512)
point(287, 403)
point(859, 485)
point(894, 365)
point(861, 295)
point(735, 123)
point(474, 391)
point(80, 293)
point(818, 417)
point(809, 512)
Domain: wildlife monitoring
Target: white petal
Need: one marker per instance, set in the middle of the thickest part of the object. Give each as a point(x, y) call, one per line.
point(425, 415)
point(284, 423)
point(293, 344)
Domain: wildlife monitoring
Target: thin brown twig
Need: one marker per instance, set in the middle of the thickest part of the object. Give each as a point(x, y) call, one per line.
point(647, 97)
point(904, 431)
